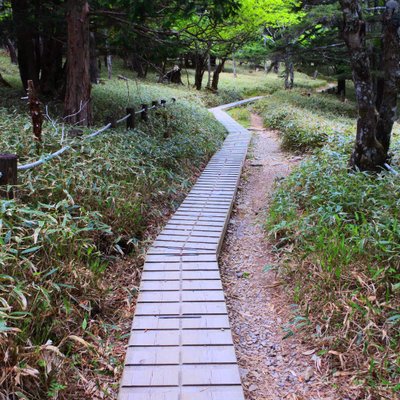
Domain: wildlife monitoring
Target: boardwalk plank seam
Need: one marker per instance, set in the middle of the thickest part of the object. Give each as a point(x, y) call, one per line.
point(181, 344)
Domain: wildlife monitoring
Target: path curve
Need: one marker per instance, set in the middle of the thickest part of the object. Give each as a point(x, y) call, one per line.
point(181, 345)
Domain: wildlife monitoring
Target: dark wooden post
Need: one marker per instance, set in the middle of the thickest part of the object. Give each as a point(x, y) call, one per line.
point(130, 122)
point(112, 121)
point(144, 114)
point(8, 171)
point(163, 103)
point(173, 100)
point(154, 104)
point(36, 112)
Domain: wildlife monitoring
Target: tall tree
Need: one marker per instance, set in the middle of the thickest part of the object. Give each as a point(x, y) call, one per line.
point(374, 126)
point(77, 104)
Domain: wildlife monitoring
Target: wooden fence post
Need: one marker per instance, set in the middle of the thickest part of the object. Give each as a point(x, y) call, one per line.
point(112, 121)
point(130, 122)
point(144, 114)
point(154, 104)
point(8, 171)
point(163, 103)
point(173, 100)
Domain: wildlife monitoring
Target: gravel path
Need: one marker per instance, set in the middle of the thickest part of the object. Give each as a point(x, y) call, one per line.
point(271, 367)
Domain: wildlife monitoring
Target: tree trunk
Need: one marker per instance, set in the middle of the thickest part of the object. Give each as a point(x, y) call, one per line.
point(200, 69)
point(26, 42)
point(94, 71)
point(234, 66)
point(391, 64)
point(12, 51)
point(218, 69)
point(379, 85)
point(77, 105)
point(209, 72)
point(289, 74)
point(52, 69)
point(109, 66)
point(368, 153)
point(341, 88)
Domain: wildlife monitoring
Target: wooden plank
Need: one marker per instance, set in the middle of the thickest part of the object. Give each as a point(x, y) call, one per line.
point(181, 346)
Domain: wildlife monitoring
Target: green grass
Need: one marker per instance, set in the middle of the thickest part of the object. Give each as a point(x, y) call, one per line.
point(339, 235)
point(241, 115)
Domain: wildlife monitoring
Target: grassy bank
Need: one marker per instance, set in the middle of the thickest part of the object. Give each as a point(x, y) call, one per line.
point(338, 233)
point(66, 282)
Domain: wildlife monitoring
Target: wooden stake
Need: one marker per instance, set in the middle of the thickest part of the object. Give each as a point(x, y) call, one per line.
point(8, 170)
point(130, 122)
point(112, 121)
point(144, 114)
point(36, 112)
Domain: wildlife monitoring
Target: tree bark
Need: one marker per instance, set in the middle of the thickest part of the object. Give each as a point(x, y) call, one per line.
point(94, 72)
point(368, 153)
point(217, 71)
point(201, 62)
point(391, 63)
point(12, 51)
point(289, 74)
point(341, 88)
point(51, 68)
point(77, 105)
point(208, 72)
point(26, 42)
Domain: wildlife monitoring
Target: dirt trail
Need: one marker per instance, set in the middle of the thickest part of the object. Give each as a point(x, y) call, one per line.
point(271, 368)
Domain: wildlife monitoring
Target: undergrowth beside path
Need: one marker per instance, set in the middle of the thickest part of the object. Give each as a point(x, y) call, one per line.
point(338, 234)
point(65, 287)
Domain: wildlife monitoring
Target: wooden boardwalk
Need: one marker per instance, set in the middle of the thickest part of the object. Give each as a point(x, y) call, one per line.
point(181, 345)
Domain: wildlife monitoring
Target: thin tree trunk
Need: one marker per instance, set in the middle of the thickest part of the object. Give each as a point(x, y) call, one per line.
point(77, 105)
point(217, 71)
point(289, 74)
point(234, 66)
point(109, 66)
point(200, 69)
point(341, 88)
point(368, 153)
point(26, 42)
point(94, 71)
point(208, 71)
point(12, 51)
point(52, 69)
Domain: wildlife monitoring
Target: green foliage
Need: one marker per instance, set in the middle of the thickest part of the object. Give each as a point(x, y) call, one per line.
point(306, 120)
point(340, 235)
point(241, 115)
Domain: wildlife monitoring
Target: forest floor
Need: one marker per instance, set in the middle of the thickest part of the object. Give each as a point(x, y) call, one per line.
point(271, 367)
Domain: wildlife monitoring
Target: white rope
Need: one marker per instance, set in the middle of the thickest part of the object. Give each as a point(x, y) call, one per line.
point(66, 148)
point(393, 171)
point(58, 152)
point(123, 118)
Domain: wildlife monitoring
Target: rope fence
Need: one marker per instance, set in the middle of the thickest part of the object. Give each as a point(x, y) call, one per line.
point(9, 162)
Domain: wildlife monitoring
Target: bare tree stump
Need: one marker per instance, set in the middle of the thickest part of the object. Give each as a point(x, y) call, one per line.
point(36, 112)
